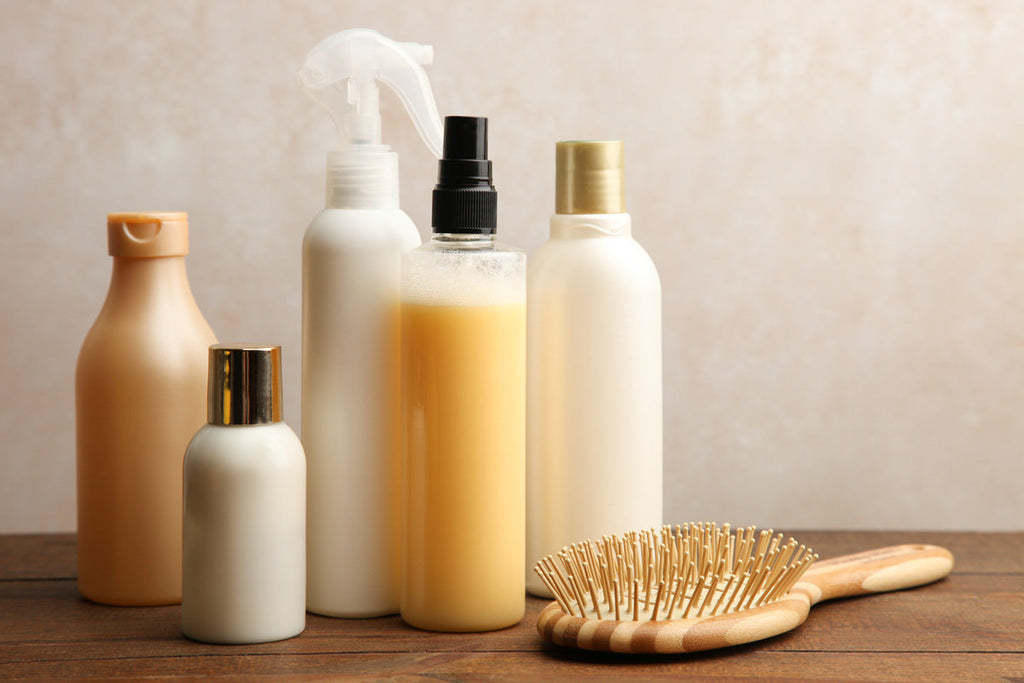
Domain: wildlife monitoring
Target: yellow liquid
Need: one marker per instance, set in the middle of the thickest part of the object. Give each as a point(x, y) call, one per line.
point(463, 417)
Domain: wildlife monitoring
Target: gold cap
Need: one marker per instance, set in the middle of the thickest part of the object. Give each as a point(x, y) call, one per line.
point(147, 235)
point(590, 177)
point(245, 384)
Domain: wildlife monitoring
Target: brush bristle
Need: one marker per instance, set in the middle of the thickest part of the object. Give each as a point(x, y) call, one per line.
point(695, 570)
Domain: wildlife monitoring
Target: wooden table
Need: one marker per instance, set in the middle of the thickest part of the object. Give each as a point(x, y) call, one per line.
point(969, 626)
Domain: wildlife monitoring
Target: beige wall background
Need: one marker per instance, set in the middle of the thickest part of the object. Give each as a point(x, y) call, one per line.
point(833, 193)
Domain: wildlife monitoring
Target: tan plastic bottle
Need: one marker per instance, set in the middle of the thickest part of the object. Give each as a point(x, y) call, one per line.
point(140, 395)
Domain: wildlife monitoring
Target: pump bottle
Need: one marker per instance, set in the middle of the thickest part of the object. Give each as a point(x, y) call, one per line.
point(351, 280)
point(463, 402)
point(594, 401)
point(140, 393)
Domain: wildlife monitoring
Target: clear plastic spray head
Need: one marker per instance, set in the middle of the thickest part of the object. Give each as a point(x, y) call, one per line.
point(342, 71)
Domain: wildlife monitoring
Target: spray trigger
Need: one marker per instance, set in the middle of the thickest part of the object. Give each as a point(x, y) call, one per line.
point(341, 73)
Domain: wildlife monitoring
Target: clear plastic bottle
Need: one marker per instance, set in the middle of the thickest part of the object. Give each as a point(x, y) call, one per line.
point(140, 394)
point(244, 525)
point(463, 404)
point(594, 401)
point(351, 282)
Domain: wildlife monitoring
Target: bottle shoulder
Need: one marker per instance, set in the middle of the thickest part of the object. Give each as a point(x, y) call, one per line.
point(121, 344)
point(271, 447)
point(355, 229)
point(445, 274)
point(434, 252)
point(620, 260)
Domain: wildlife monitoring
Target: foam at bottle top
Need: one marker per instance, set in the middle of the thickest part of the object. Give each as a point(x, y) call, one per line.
point(464, 278)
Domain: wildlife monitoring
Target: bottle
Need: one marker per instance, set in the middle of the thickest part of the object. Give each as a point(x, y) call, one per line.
point(594, 422)
point(140, 393)
point(244, 523)
point(351, 281)
point(463, 404)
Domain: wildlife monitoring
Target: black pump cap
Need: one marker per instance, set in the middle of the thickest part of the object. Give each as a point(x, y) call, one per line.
point(465, 201)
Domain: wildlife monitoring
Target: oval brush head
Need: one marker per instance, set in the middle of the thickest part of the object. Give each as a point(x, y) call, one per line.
point(701, 586)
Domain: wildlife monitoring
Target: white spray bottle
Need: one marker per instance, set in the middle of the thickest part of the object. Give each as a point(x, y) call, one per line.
point(351, 282)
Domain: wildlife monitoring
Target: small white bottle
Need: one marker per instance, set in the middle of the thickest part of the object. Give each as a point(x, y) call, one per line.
point(351, 287)
point(244, 531)
point(594, 393)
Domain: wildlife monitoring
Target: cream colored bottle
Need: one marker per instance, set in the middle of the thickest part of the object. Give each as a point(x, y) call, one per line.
point(463, 404)
point(140, 394)
point(244, 528)
point(594, 392)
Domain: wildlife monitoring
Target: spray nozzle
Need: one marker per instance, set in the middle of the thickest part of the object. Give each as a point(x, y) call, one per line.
point(342, 71)
point(465, 201)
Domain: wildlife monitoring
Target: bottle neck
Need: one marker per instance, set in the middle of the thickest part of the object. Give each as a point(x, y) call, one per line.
point(362, 177)
point(456, 240)
point(138, 284)
point(588, 225)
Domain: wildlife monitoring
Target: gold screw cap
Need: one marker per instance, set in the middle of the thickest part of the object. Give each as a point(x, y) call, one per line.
point(147, 235)
point(590, 177)
point(245, 384)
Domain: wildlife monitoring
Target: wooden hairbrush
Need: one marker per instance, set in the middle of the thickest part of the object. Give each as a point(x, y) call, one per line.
point(701, 586)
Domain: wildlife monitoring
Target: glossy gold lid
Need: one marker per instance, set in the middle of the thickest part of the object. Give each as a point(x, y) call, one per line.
point(245, 384)
point(590, 177)
point(147, 235)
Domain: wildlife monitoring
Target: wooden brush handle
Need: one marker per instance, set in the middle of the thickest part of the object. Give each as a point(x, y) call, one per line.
point(876, 571)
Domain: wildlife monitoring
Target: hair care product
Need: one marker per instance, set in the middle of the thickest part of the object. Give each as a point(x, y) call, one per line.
point(140, 394)
point(244, 527)
point(463, 395)
point(594, 422)
point(351, 280)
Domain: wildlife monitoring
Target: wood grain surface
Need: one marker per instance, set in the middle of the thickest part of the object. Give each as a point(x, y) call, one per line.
point(969, 626)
